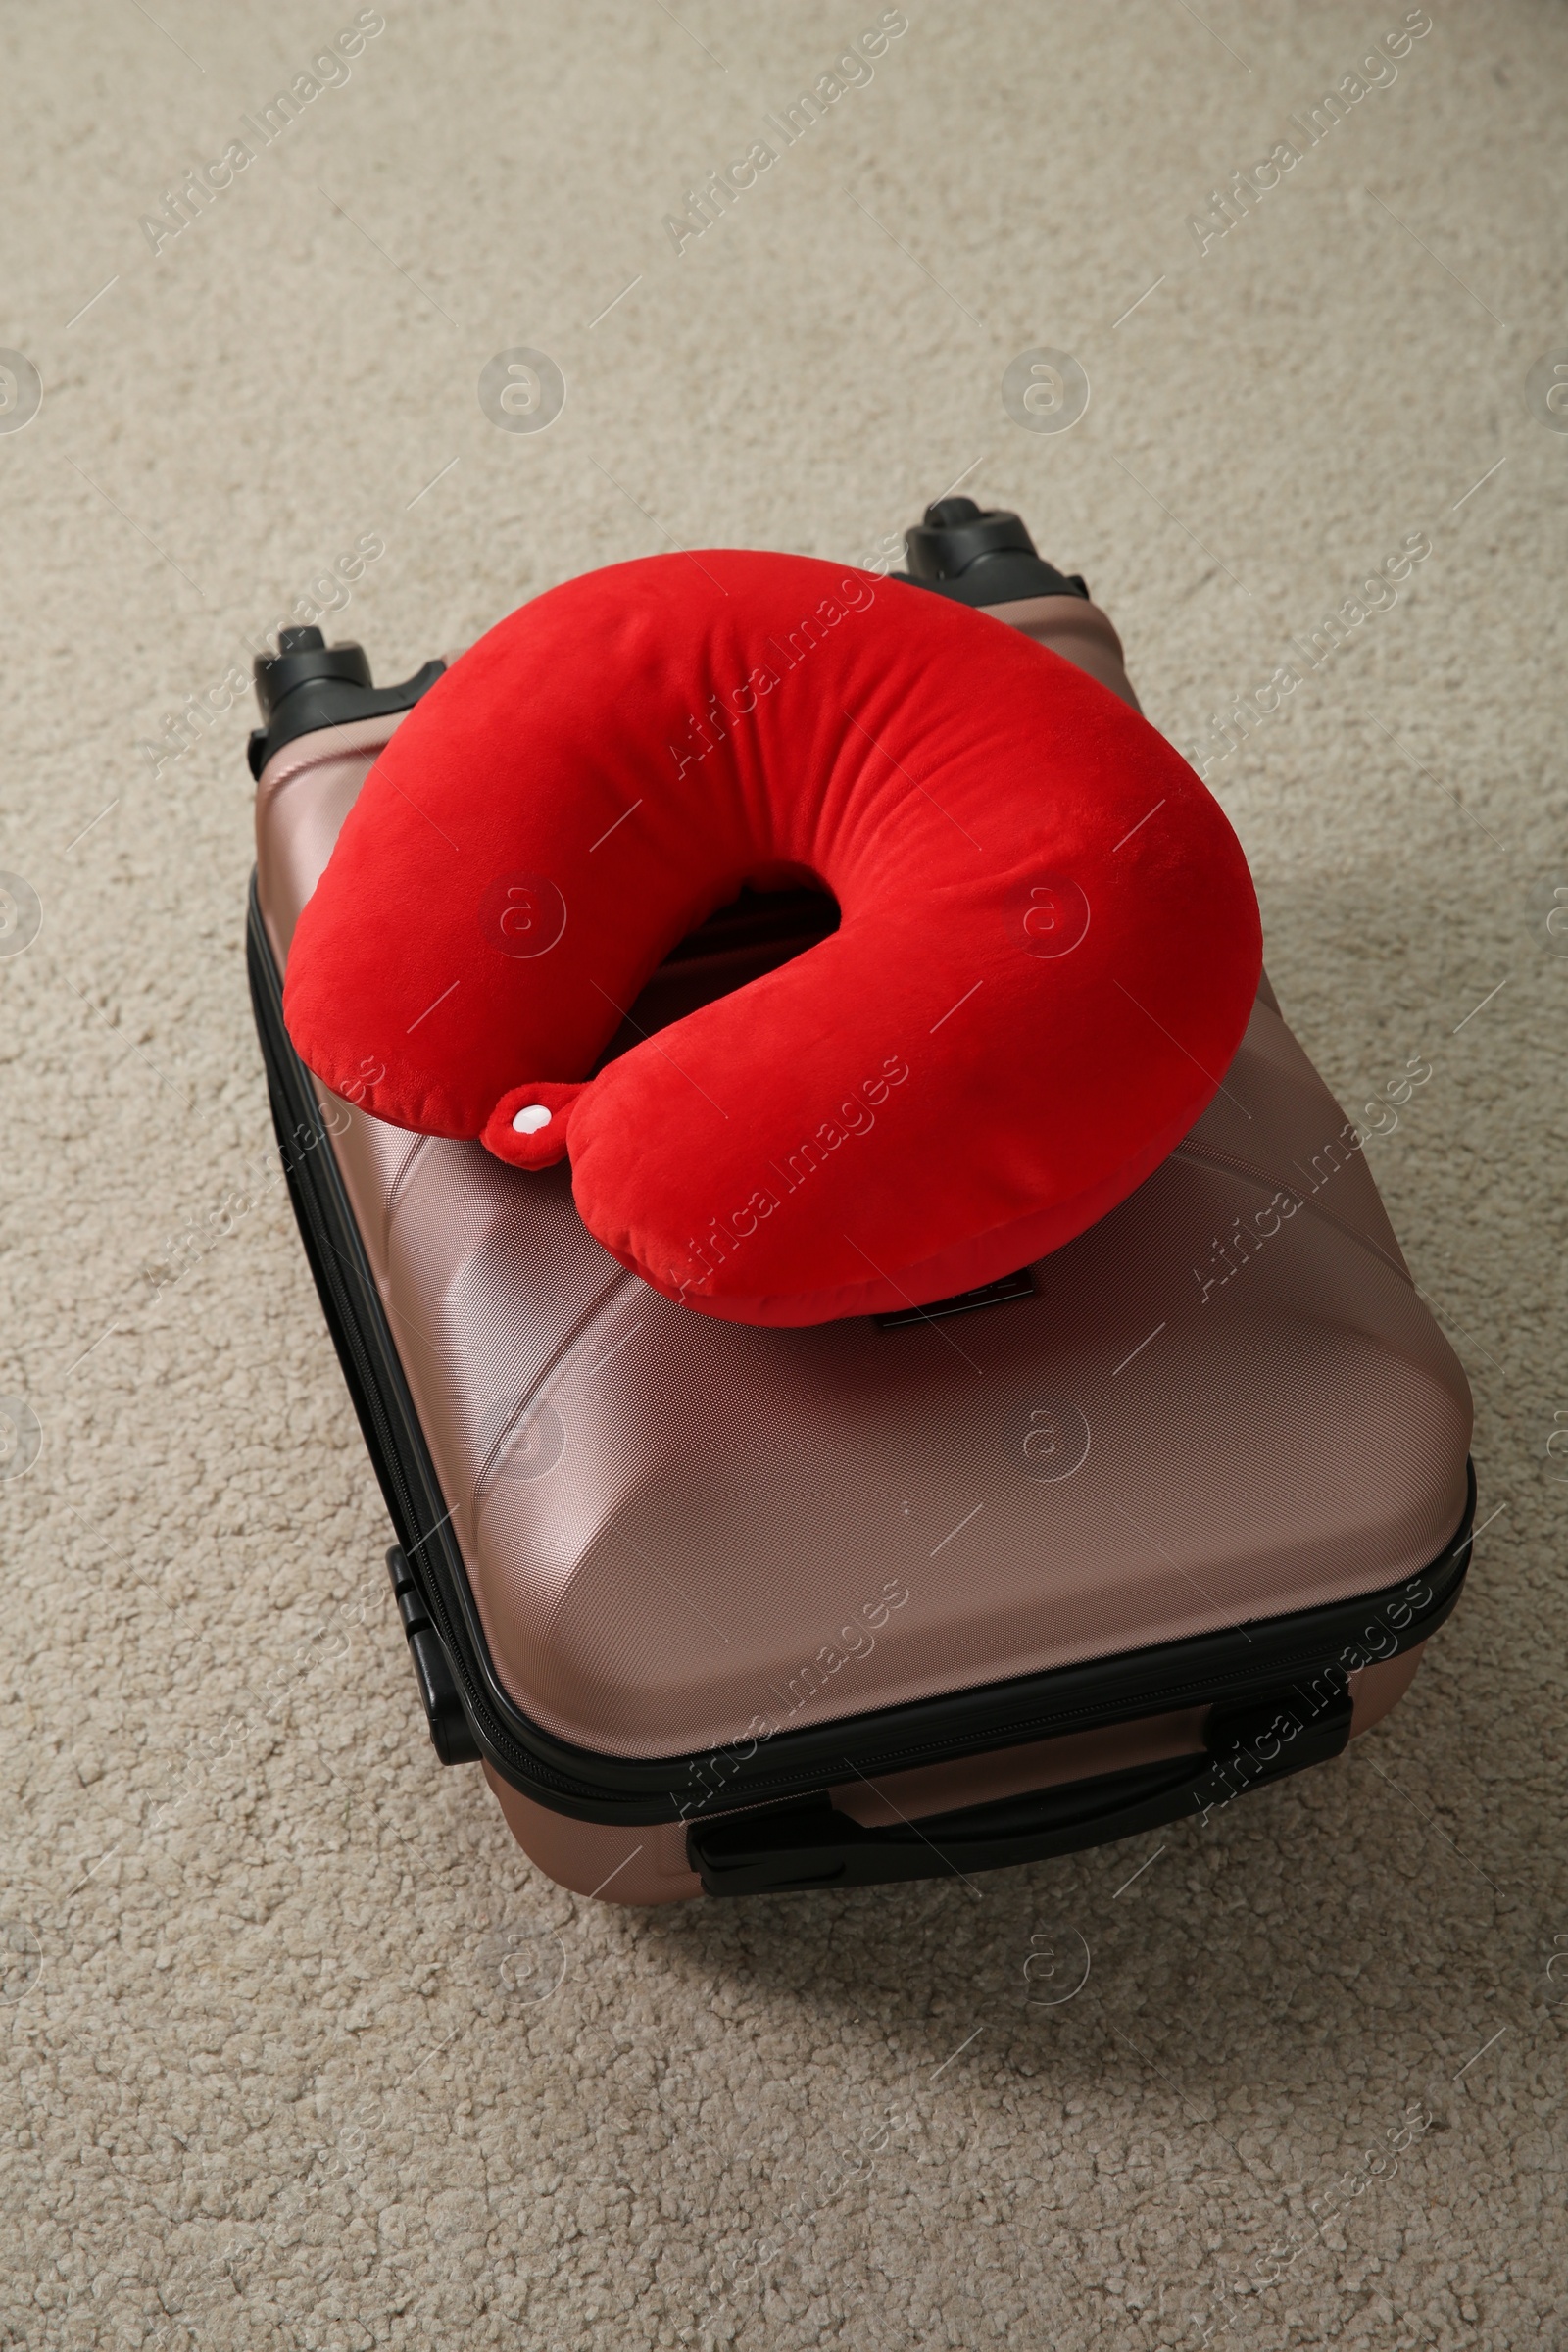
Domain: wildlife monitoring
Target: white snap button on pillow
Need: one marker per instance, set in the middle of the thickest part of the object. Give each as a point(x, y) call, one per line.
point(530, 1119)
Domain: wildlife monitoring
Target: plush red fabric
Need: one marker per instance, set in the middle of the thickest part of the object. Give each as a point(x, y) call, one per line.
point(1050, 942)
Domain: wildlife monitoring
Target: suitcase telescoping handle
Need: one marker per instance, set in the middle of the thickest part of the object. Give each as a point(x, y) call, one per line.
point(781, 1848)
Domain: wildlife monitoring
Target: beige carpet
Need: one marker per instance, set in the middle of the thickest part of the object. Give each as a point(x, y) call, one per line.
point(298, 2050)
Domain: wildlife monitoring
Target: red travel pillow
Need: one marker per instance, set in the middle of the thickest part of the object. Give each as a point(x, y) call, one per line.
point(1048, 952)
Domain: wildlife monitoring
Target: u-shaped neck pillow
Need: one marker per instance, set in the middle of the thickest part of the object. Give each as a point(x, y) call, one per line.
point(1049, 944)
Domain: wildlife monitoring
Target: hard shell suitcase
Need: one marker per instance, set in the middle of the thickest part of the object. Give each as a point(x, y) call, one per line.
point(730, 1610)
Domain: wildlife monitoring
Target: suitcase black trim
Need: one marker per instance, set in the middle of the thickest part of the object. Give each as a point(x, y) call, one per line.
point(1235, 1667)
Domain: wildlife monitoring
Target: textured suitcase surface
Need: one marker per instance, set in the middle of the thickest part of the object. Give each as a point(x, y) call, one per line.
point(663, 1567)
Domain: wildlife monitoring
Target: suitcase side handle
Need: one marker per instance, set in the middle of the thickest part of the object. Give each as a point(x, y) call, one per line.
point(784, 1848)
point(451, 1733)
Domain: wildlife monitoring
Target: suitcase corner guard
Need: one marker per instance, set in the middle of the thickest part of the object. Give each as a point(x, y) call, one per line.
point(781, 1850)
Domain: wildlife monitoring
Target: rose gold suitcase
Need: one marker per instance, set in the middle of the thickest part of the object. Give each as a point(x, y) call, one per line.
point(729, 1610)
